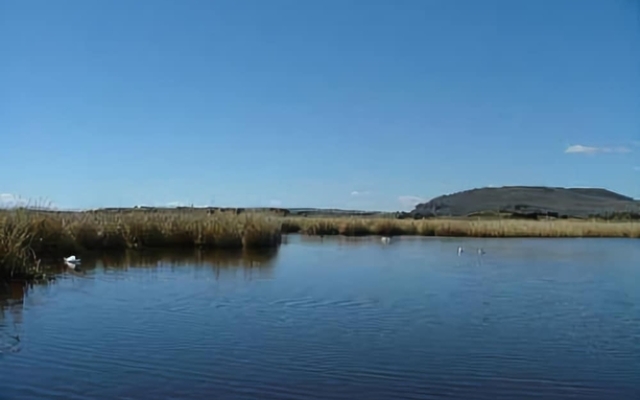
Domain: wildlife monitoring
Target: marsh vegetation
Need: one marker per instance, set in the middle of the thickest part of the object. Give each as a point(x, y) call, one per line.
point(30, 239)
point(461, 227)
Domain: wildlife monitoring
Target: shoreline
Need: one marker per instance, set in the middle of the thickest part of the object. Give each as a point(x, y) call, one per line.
point(31, 238)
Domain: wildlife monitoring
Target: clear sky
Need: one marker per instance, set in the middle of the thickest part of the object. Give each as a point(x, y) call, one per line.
point(329, 103)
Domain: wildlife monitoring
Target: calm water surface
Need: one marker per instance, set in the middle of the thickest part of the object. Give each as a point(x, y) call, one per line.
point(335, 319)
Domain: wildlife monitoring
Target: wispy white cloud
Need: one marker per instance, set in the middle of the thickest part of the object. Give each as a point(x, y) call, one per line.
point(580, 149)
point(410, 201)
point(275, 203)
point(183, 204)
point(8, 200)
point(7, 197)
point(360, 193)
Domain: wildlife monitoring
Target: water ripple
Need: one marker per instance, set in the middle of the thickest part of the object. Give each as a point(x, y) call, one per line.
point(405, 322)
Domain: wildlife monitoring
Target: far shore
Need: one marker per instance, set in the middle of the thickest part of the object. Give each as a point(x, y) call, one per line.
point(462, 227)
point(27, 237)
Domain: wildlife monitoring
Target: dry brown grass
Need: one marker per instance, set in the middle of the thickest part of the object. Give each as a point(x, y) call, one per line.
point(29, 236)
point(461, 228)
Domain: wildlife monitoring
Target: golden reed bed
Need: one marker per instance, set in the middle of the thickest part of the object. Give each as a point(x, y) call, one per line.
point(461, 227)
point(28, 237)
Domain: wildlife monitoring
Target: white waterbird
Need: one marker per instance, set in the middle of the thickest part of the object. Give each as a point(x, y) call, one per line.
point(71, 260)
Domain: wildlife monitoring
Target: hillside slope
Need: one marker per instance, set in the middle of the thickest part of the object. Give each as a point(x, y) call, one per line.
point(572, 202)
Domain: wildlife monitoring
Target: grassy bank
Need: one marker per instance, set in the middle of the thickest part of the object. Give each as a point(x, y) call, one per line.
point(461, 227)
point(30, 239)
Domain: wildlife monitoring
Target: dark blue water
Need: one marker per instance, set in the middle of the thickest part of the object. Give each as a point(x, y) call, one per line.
point(335, 319)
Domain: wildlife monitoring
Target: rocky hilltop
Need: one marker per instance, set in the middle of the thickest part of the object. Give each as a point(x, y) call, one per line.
point(530, 201)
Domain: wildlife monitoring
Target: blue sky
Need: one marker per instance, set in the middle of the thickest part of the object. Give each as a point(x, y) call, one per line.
point(335, 103)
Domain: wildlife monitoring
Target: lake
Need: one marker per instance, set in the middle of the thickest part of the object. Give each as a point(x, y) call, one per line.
point(335, 318)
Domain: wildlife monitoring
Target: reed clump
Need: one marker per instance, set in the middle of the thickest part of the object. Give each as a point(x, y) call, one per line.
point(28, 236)
point(463, 227)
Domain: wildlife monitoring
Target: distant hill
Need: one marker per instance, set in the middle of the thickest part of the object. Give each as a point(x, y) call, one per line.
point(507, 201)
point(529, 200)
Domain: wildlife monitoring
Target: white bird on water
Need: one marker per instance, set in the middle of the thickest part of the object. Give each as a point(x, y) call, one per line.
point(480, 251)
point(386, 239)
point(460, 250)
point(71, 261)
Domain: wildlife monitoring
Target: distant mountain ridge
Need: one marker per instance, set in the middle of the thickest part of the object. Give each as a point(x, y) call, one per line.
point(555, 201)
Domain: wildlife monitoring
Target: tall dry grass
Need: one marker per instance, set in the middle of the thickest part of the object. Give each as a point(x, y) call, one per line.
point(461, 228)
point(27, 236)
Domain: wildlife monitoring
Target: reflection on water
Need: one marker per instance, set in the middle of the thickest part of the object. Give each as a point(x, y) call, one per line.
point(11, 301)
point(245, 260)
point(334, 318)
point(251, 264)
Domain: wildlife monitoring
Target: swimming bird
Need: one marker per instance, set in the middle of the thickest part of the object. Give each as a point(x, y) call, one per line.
point(386, 239)
point(72, 263)
point(480, 251)
point(460, 250)
point(71, 260)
